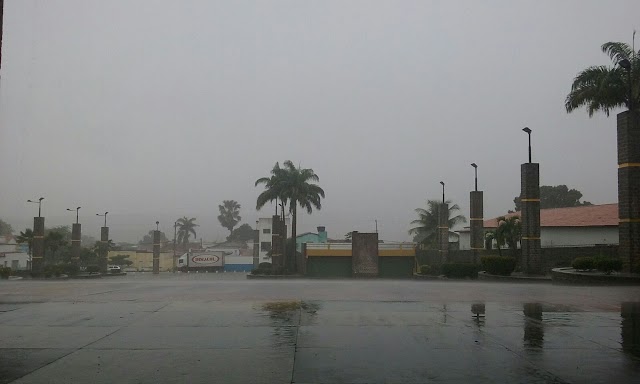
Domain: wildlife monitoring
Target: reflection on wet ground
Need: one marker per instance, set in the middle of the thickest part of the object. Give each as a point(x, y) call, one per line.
point(206, 330)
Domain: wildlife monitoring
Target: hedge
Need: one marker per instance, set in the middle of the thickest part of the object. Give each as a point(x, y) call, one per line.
point(460, 270)
point(498, 265)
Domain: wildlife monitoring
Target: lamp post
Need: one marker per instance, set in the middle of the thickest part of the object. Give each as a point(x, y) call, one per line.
point(175, 234)
point(77, 209)
point(442, 182)
point(528, 131)
point(475, 168)
point(39, 202)
point(157, 225)
point(105, 217)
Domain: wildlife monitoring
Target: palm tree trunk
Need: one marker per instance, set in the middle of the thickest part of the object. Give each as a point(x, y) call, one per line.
point(294, 222)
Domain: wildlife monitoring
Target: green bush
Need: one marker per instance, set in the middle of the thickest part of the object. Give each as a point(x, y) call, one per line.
point(5, 272)
point(498, 265)
point(264, 265)
point(460, 270)
point(583, 263)
point(425, 269)
point(607, 264)
point(53, 270)
point(71, 269)
point(93, 269)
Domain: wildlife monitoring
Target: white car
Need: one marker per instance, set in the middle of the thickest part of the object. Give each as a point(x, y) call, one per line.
point(114, 268)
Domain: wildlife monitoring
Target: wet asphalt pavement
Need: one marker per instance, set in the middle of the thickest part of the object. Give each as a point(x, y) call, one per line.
point(226, 329)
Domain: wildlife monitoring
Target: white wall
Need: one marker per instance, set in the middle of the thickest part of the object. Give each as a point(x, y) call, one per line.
point(11, 259)
point(578, 236)
point(265, 223)
point(565, 236)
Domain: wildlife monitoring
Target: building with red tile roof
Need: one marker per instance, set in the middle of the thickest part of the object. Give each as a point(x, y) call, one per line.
point(565, 227)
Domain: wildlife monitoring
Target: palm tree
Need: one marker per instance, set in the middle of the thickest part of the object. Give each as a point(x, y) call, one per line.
point(186, 227)
point(426, 228)
point(603, 88)
point(508, 232)
point(26, 236)
point(229, 214)
point(292, 185)
point(54, 240)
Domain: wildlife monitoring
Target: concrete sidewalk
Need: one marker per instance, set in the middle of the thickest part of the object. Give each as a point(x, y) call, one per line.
point(226, 329)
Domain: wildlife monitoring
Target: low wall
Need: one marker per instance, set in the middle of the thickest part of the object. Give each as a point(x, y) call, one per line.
point(551, 257)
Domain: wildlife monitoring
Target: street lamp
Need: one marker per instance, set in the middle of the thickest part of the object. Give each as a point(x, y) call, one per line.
point(475, 167)
point(105, 217)
point(77, 209)
point(528, 131)
point(39, 202)
point(157, 225)
point(442, 182)
point(626, 64)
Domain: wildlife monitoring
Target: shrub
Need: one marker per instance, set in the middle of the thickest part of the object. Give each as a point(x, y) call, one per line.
point(71, 269)
point(607, 264)
point(583, 263)
point(115, 271)
point(264, 265)
point(498, 265)
point(93, 269)
point(277, 271)
point(460, 270)
point(5, 272)
point(425, 269)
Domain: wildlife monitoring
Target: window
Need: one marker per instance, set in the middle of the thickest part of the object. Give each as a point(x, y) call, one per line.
point(265, 246)
point(266, 230)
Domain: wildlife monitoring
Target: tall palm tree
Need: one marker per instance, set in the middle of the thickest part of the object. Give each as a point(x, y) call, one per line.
point(426, 228)
point(508, 232)
point(54, 240)
point(272, 188)
point(603, 88)
point(292, 185)
point(229, 214)
point(186, 227)
point(26, 236)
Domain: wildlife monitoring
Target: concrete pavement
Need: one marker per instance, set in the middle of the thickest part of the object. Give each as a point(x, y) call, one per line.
point(226, 329)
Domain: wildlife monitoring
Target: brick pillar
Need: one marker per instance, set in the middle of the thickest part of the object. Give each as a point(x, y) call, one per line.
point(443, 232)
point(629, 189)
point(476, 229)
point(364, 254)
point(104, 250)
point(37, 258)
point(530, 198)
point(630, 313)
point(156, 252)
point(76, 235)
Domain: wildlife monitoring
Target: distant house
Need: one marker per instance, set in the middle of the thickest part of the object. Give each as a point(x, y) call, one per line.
point(310, 237)
point(264, 225)
point(568, 227)
point(12, 254)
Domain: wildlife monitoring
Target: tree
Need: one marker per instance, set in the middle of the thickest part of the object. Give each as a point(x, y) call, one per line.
point(558, 196)
point(229, 214)
point(5, 228)
point(242, 233)
point(603, 88)
point(122, 260)
point(348, 236)
point(54, 240)
point(26, 236)
point(509, 232)
point(63, 230)
point(186, 227)
point(426, 228)
point(293, 186)
point(148, 238)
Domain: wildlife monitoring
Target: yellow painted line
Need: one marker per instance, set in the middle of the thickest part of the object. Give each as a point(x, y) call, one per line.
point(630, 220)
point(476, 218)
point(396, 252)
point(328, 252)
point(530, 238)
point(529, 200)
point(628, 165)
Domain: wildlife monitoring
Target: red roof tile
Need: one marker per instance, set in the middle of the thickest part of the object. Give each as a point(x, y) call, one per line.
point(604, 215)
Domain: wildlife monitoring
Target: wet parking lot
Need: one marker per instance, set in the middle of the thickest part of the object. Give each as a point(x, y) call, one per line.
point(226, 329)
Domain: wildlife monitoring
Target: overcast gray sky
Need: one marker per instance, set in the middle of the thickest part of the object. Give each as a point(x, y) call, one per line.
point(158, 109)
